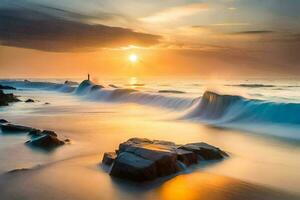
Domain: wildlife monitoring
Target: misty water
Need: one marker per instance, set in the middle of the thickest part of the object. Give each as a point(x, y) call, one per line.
point(259, 128)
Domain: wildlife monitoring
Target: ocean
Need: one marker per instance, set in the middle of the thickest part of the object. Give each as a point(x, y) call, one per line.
point(255, 120)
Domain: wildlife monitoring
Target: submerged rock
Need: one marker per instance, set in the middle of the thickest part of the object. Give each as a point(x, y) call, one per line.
point(37, 133)
point(16, 128)
point(6, 87)
point(3, 121)
point(67, 140)
point(47, 132)
point(29, 101)
point(171, 91)
point(46, 142)
point(141, 159)
point(21, 170)
point(97, 87)
point(7, 98)
point(70, 83)
point(113, 86)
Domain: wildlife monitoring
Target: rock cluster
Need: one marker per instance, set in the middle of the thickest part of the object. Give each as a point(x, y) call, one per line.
point(140, 159)
point(29, 101)
point(5, 99)
point(45, 139)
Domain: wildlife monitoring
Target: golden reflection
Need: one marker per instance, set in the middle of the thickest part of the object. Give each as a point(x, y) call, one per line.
point(133, 81)
point(195, 186)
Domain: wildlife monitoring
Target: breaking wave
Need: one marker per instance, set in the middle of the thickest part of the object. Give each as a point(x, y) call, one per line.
point(231, 108)
point(213, 108)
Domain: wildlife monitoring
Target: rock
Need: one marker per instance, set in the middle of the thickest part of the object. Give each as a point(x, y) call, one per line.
point(109, 158)
point(29, 101)
point(38, 133)
point(47, 132)
point(187, 157)
point(206, 151)
point(15, 128)
point(5, 87)
point(70, 83)
point(113, 86)
point(171, 91)
point(133, 167)
point(67, 140)
point(46, 142)
point(21, 170)
point(141, 159)
point(7, 98)
point(3, 121)
point(46, 103)
point(35, 133)
point(97, 87)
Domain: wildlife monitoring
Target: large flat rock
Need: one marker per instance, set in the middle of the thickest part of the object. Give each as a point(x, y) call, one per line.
point(141, 159)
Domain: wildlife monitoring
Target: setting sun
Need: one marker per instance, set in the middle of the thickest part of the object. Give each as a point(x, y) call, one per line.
point(133, 58)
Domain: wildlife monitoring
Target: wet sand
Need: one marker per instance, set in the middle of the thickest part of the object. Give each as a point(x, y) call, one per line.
point(83, 178)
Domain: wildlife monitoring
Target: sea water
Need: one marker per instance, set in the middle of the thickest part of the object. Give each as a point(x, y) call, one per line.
point(256, 121)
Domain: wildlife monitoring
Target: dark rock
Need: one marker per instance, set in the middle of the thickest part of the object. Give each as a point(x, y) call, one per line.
point(15, 128)
point(133, 167)
point(29, 101)
point(7, 98)
point(46, 103)
point(113, 86)
point(46, 142)
point(67, 140)
point(206, 151)
point(97, 87)
point(6, 87)
point(141, 159)
point(47, 132)
point(71, 83)
point(35, 133)
point(3, 121)
point(38, 133)
point(187, 157)
point(171, 91)
point(21, 170)
point(109, 158)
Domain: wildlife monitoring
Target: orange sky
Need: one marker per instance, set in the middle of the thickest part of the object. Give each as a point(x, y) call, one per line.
point(202, 38)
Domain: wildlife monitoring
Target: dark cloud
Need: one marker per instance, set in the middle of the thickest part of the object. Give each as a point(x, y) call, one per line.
point(51, 29)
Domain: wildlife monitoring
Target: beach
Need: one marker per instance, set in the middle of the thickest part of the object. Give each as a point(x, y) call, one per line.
point(260, 166)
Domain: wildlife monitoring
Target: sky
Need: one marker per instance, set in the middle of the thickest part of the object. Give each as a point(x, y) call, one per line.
point(69, 38)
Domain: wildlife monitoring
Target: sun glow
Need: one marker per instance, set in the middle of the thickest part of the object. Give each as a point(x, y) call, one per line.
point(133, 58)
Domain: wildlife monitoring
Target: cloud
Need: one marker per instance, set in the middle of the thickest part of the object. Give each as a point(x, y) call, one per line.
point(176, 12)
point(253, 32)
point(51, 29)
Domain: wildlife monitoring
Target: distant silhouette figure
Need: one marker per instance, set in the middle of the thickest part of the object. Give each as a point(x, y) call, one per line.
point(88, 76)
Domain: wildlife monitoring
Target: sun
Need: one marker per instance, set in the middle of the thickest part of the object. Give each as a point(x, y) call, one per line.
point(133, 58)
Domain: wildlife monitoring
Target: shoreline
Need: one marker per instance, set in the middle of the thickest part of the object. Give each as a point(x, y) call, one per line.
point(80, 178)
